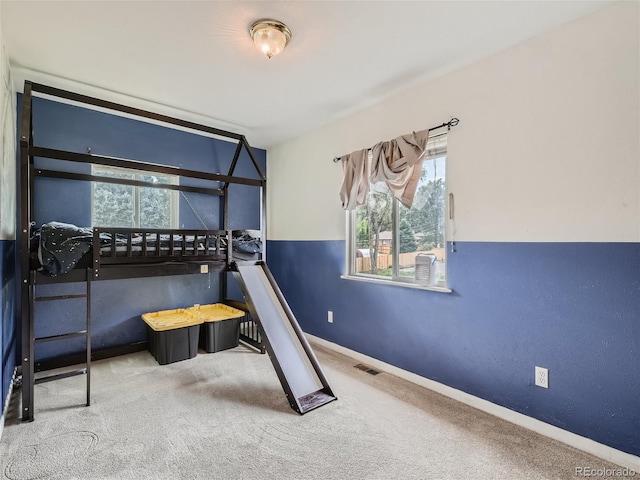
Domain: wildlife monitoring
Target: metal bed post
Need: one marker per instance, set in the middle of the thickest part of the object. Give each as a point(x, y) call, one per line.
point(26, 303)
point(225, 218)
point(89, 272)
point(263, 220)
point(28, 369)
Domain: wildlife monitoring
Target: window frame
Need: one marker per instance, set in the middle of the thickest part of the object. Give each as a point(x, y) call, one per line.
point(174, 220)
point(435, 149)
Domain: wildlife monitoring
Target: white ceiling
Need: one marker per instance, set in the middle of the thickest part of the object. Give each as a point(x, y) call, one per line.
point(197, 57)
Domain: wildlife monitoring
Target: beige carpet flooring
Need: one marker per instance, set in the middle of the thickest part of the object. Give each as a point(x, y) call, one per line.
point(224, 416)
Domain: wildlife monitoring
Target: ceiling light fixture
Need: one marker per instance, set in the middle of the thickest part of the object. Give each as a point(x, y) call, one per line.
point(270, 36)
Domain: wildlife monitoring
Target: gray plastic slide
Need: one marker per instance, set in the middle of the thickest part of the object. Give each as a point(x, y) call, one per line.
point(295, 363)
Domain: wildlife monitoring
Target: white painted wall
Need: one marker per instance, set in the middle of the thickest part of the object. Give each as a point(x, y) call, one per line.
point(548, 146)
point(7, 148)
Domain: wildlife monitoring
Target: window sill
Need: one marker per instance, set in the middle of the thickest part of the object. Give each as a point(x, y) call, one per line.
point(380, 281)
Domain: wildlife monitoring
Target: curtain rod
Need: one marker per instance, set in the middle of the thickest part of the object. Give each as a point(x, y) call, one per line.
point(451, 123)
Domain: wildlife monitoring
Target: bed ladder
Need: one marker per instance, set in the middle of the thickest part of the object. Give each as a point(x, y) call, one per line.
point(86, 332)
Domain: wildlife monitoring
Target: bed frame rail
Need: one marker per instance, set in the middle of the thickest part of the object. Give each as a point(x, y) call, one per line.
point(134, 246)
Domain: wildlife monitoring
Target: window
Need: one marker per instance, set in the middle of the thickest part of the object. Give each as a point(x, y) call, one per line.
point(388, 241)
point(115, 205)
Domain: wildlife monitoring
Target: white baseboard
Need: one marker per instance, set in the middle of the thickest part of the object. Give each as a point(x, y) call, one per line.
point(605, 452)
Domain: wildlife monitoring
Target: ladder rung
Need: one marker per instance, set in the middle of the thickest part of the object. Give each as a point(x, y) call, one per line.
point(59, 376)
point(60, 297)
point(60, 337)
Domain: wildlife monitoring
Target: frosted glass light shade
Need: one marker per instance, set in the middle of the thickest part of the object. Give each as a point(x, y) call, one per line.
point(270, 36)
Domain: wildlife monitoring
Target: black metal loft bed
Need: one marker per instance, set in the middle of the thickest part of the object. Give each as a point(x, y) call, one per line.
point(117, 253)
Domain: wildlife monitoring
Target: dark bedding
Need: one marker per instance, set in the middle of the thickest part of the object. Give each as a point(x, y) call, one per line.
point(244, 242)
point(61, 245)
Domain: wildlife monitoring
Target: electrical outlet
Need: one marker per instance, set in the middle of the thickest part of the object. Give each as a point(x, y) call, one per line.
point(542, 377)
point(204, 268)
point(330, 316)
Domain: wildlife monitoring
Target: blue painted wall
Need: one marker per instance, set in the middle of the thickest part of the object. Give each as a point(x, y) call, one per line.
point(570, 307)
point(7, 315)
point(117, 305)
point(76, 129)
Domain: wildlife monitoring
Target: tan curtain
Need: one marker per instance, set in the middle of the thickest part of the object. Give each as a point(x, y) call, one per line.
point(398, 163)
point(356, 179)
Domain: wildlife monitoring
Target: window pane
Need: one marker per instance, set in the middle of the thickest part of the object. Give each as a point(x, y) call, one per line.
point(155, 204)
point(373, 232)
point(422, 227)
point(113, 205)
point(130, 206)
point(407, 245)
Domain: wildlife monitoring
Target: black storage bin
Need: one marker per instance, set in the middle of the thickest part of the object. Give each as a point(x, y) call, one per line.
point(172, 335)
point(220, 335)
point(220, 329)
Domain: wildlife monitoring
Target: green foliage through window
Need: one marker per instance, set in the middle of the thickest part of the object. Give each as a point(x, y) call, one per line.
point(132, 206)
